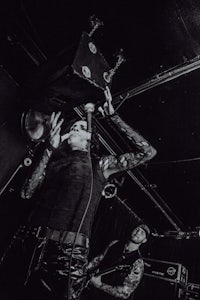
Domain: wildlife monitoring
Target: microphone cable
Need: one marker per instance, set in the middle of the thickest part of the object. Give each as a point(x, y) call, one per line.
point(83, 217)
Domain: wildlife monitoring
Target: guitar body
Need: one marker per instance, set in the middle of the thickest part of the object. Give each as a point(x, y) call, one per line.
point(124, 269)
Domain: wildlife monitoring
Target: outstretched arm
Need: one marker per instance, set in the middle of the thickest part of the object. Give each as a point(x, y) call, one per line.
point(34, 181)
point(130, 283)
point(144, 151)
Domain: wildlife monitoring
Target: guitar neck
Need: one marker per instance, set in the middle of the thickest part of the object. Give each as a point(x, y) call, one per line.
point(106, 271)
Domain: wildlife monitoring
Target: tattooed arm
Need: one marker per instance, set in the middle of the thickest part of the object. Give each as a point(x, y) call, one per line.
point(36, 178)
point(130, 283)
point(144, 151)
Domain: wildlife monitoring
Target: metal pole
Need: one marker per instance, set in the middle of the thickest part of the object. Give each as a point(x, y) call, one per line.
point(157, 80)
point(80, 112)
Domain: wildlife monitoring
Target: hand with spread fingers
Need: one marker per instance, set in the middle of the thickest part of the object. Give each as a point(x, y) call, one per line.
point(108, 108)
point(55, 138)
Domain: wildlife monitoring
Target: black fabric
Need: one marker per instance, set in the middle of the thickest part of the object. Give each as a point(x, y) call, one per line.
point(62, 201)
point(60, 205)
point(39, 268)
point(51, 276)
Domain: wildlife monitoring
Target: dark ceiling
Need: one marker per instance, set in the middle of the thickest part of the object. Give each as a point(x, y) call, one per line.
point(155, 36)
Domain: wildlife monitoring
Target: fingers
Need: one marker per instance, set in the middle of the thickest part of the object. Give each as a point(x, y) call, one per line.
point(54, 121)
point(56, 127)
point(100, 109)
point(55, 133)
point(104, 164)
point(108, 107)
point(54, 118)
point(65, 137)
point(107, 94)
point(123, 161)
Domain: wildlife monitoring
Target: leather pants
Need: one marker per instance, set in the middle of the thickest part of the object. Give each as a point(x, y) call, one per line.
point(43, 268)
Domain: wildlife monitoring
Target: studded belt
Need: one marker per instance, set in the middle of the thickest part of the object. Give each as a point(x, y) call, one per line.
point(62, 236)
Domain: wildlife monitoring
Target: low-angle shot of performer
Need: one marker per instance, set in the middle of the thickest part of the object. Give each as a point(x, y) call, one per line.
point(48, 255)
point(121, 267)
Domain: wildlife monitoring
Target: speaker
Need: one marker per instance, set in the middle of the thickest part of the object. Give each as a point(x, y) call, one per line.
point(156, 289)
point(78, 75)
point(166, 270)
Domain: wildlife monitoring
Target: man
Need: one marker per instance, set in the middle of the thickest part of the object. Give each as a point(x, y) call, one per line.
point(65, 191)
point(121, 282)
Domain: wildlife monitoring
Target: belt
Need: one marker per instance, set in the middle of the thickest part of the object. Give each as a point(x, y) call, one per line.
point(62, 236)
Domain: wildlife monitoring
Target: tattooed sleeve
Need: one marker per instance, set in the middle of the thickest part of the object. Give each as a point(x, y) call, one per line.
point(145, 150)
point(35, 180)
point(130, 283)
point(127, 161)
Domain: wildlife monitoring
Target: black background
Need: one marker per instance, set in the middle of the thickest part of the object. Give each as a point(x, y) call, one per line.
point(155, 36)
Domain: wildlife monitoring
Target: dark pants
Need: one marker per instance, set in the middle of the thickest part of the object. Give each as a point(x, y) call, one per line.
point(35, 267)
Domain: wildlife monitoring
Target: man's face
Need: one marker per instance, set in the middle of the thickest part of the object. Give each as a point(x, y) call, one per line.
point(138, 236)
point(78, 134)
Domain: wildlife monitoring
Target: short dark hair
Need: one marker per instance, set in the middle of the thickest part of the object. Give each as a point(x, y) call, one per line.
point(145, 228)
point(94, 143)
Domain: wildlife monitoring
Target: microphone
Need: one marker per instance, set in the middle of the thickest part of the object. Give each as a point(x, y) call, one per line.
point(89, 109)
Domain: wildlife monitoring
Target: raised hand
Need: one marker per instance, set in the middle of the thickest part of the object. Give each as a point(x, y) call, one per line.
point(108, 107)
point(55, 138)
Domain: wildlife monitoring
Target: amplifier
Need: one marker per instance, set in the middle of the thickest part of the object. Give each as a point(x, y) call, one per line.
point(152, 288)
point(169, 271)
point(192, 291)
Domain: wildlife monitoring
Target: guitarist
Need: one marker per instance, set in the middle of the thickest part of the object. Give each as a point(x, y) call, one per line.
point(119, 284)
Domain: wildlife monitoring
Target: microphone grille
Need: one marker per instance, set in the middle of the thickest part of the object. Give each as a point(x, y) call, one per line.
point(89, 107)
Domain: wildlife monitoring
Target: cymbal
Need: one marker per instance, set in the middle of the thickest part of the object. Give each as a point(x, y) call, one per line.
point(35, 125)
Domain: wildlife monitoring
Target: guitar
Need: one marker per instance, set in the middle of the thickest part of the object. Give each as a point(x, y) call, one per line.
point(123, 268)
point(88, 275)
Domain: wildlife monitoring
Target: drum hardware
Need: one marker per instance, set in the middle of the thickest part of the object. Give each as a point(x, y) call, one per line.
point(35, 126)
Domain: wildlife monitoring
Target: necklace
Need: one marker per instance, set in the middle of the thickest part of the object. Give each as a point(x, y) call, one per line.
point(79, 148)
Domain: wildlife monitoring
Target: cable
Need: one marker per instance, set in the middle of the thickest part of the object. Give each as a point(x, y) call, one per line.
point(174, 161)
point(83, 217)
